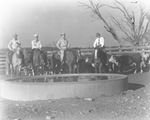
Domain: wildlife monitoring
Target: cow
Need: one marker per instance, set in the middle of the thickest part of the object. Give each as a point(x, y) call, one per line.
point(129, 63)
point(81, 65)
point(113, 64)
point(89, 66)
point(86, 65)
point(145, 64)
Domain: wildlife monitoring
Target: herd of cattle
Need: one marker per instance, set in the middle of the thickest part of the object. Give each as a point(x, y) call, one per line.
point(125, 64)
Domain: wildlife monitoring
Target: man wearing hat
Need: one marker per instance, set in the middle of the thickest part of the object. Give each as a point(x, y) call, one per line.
point(62, 45)
point(98, 43)
point(36, 44)
point(12, 46)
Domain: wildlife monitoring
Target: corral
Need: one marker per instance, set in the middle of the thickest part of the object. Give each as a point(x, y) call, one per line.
point(86, 51)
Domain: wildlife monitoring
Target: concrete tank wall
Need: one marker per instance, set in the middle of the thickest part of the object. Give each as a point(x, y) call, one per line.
point(20, 91)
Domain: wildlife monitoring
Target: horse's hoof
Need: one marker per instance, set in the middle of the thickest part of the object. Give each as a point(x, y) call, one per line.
point(134, 72)
point(7, 73)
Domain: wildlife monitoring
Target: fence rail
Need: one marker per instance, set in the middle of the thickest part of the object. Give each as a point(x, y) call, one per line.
point(118, 50)
point(2, 62)
point(86, 51)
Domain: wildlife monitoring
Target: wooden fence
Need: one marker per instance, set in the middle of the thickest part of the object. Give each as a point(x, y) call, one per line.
point(2, 62)
point(118, 50)
point(87, 51)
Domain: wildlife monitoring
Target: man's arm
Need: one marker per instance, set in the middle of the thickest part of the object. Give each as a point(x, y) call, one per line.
point(10, 45)
point(40, 45)
point(18, 43)
point(33, 45)
point(58, 44)
point(68, 45)
point(95, 42)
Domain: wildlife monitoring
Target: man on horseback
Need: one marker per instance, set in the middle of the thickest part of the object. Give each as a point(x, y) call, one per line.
point(62, 45)
point(38, 57)
point(36, 45)
point(98, 43)
point(12, 46)
point(100, 56)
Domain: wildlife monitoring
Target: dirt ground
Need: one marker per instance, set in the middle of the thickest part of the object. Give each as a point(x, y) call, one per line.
point(133, 104)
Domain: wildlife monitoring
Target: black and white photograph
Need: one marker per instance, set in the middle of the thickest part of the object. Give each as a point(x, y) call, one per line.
point(74, 60)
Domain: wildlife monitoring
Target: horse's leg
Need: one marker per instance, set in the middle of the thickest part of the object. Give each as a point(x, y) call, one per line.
point(14, 71)
point(26, 72)
point(96, 68)
point(33, 71)
point(77, 68)
point(74, 68)
point(70, 69)
point(103, 67)
point(11, 70)
point(141, 67)
point(19, 70)
point(36, 71)
point(100, 68)
point(7, 68)
point(42, 70)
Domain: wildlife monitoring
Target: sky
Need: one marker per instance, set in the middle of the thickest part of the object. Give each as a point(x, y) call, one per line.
point(50, 18)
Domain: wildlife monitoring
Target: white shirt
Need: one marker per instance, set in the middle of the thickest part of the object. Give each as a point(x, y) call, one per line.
point(36, 44)
point(99, 41)
point(62, 44)
point(13, 44)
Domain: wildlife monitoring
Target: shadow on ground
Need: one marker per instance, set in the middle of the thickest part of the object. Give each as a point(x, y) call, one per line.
point(135, 86)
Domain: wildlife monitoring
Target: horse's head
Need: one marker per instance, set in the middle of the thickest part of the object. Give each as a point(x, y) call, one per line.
point(78, 53)
point(17, 51)
point(56, 55)
point(38, 59)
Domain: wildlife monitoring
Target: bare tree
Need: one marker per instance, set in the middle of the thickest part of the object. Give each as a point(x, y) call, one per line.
point(133, 31)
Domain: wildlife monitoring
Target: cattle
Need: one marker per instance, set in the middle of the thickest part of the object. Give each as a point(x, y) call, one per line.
point(81, 65)
point(89, 66)
point(113, 64)
point(145, 64)
point(85, 65)
point(129, 63)
point(56, 64)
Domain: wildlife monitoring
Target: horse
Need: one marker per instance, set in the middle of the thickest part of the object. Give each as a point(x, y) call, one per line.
point(9, 62)
point(70, 62)
point(28, 62)
point(71, 58)
point(56, 62)
point(17, 62)
point(39, 62)
point(100, 61)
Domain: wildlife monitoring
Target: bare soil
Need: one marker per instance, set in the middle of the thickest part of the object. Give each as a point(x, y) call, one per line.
point(133, 104)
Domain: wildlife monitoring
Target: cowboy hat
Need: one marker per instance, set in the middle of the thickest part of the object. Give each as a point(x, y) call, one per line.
point(15, 35)
point(62, 34)
point(98, 34)
point(35, 35)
